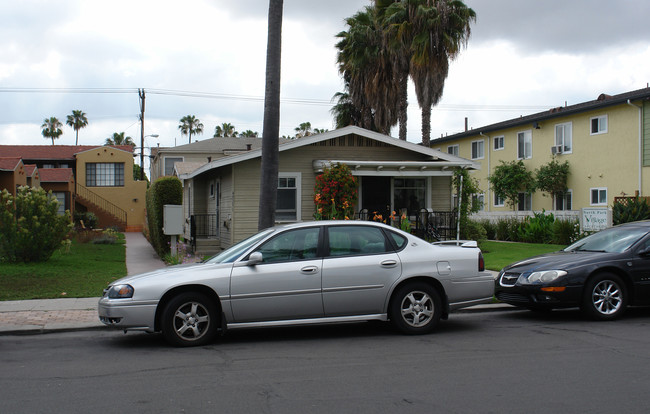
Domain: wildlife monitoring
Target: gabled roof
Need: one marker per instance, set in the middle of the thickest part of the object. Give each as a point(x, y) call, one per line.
point(55, 175)
point(187, 167)
point(439, 156)
point(51, 152)
point(30, 168)
point(223, 145)
point(9, 163)
point(602, 101)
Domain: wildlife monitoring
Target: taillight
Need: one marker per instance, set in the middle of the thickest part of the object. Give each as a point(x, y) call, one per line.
point(481, 262)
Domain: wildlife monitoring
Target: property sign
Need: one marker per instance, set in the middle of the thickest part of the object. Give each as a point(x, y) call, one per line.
point(595, 219)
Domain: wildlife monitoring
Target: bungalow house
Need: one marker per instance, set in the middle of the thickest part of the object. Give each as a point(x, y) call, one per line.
point(392, 175)
point(606, 142)
point(85, 177)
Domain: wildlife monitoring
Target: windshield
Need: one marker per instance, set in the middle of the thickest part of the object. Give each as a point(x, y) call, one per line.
point(231, 254)
point(613, 240)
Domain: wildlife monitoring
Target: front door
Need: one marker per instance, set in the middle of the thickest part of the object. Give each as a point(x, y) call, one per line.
point(375, 195)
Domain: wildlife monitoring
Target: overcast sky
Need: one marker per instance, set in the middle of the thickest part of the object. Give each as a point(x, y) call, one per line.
point(524, 56)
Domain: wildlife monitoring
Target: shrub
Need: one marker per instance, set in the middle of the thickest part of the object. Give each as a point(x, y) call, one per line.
point(31, 229)
point(473, 230)
point(630, 209)
point(490, 229)
point(165, 190)
point(565, 231)
point(507, 229)
point(89, 219)
point(537, 229)
point(335, 193)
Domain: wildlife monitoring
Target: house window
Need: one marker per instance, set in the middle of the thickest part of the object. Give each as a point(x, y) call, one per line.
point(563, 201)
point(498, 143)
point(169, 164)
point(49, 166)
point(60, 197)
point(105, 174)
point(563, 139)
point(288, 203)
point(211, 190)
point(525, 202)
point(478, 201)
point(477, 150)
point(599, 125)
point(598, 196)
point(410, 193)
point(524, 145)
point(453, 150)
point(499, 201)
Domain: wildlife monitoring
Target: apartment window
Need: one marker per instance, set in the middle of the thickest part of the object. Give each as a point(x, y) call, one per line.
point(599, 125)
point(478, 201)
point(288, 203)
point(60, 197)
point(169, 164)
point(105, 174)
point(498, 143)
point(563, 137)
point(453, 150)
point(524, 145)
point(598, 196)
point(563, 201)
point(477, 150)
point(499, 201)
point(525, 202)
point(49, 166)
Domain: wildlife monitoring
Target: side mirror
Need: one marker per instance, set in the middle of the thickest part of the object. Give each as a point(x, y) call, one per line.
point(255, 258)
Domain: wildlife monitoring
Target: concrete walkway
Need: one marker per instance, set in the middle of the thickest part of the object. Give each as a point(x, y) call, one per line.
point(46, 315)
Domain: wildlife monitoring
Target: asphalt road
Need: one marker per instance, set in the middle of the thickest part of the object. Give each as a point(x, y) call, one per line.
point(493, 362)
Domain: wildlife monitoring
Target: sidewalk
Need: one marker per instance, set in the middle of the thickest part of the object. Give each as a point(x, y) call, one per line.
point(47, 315)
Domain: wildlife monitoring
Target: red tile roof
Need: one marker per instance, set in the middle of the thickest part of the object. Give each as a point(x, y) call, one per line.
point(55, 175)
point(29, 169)
point(9, 163)
point(51, 152)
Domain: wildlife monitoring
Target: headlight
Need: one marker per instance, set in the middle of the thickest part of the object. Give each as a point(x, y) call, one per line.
point(120, 291)
point(543, 277)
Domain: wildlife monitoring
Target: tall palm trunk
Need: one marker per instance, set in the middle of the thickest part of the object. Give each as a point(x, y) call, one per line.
point(403, 105)
point(270, 135)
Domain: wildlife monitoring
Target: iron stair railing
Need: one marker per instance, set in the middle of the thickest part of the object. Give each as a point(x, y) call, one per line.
point(101, 203)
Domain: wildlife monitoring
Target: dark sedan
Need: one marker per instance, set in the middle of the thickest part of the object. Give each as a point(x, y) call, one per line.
point(602, 274)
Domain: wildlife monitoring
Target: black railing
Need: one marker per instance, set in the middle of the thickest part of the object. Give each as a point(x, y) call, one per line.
point(429, 225)
point(203, 225)
point(101, 203)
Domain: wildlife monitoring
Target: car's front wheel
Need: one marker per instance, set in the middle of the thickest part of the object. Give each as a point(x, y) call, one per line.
point(605, 297)
point(415, 309)
point(190, 319)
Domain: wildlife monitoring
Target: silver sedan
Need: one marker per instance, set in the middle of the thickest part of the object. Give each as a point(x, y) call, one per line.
point(304, 273)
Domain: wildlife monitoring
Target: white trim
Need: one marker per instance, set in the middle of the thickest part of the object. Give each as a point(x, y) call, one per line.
point(456, 153)
point(298, 178)
point(599, 189)
point(482, 147)
point(599, 131)
point(530, 134)
point(566, 126)
point(503, 143)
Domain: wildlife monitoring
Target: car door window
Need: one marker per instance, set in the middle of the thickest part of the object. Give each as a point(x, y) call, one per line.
point(356, 240)
point(291, 245)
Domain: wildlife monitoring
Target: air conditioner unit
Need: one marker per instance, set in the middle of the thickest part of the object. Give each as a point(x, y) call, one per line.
point(556, 149)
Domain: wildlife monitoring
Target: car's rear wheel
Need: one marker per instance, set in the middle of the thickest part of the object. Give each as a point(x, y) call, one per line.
point(605, 297)
point(190, 319)
point(415, 309)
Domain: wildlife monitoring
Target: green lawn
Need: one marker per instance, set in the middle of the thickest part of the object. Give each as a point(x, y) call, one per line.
point(497, 255)
point(84, 271)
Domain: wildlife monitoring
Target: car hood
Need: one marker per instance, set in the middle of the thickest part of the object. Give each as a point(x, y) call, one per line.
point(172, 272)
point(558, 261)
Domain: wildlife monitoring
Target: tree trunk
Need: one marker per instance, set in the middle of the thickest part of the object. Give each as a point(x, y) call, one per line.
point(426, 125)
point(271, 132)
point(403, 105)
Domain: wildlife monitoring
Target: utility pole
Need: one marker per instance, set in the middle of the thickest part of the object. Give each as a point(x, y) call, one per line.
point(141, 94)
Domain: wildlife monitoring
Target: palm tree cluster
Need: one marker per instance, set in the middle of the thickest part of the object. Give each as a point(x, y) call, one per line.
point(388, 43)
point(51, 127)
point(119, 138)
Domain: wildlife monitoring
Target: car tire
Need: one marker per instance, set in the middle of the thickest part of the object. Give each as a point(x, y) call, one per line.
point(604, 297)
point(190, 319)
point(415, 309)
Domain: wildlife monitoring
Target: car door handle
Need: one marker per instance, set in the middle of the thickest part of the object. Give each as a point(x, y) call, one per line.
point(309, 269)
point(389, 263)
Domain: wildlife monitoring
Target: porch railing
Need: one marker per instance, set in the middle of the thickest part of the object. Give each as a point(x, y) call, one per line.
point(426, 224)
point(203, 225)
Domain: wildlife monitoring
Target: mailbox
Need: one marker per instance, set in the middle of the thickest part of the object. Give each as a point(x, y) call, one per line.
point(172, 219)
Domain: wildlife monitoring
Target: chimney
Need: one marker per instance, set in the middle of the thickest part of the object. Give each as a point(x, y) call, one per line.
point(465, 124)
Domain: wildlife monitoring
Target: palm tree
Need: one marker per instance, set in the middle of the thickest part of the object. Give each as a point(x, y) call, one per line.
point(225, 130)
point(77, 121)
point(319, 131)
point(344, 111)
point(52, 128)
point(440, 29)
point(271, 127)
point(118, 138)
point(303, 130)
point(248, 134)
point(190, 125)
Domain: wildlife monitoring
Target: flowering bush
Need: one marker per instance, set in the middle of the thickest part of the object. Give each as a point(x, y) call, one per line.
point(335, 193)
point(31, 229)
